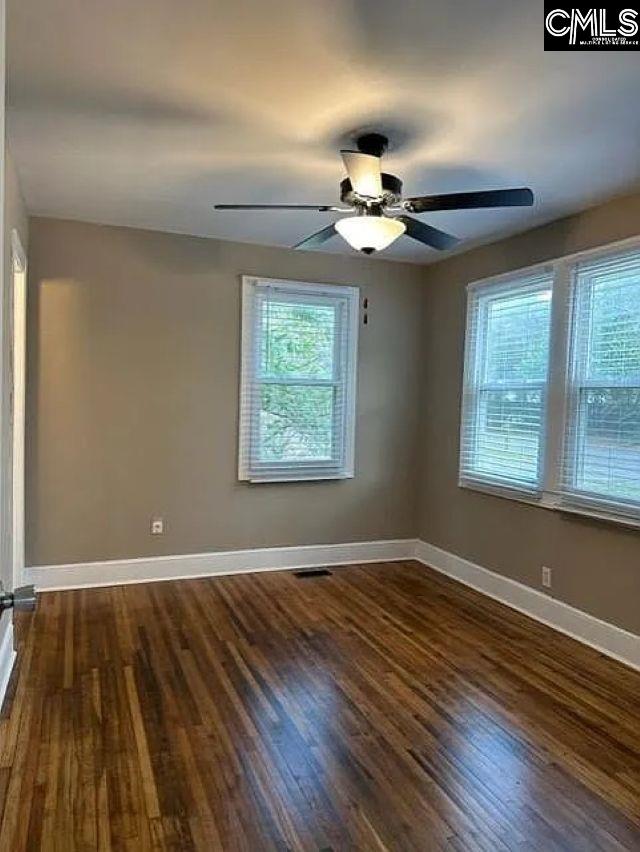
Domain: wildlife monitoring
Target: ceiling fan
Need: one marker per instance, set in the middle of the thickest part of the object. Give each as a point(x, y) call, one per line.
point(374, 198)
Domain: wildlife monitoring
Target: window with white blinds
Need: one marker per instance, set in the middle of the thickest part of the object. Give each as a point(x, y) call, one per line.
point(507, 357)
point(298, 381)
point(551, 393)
point(601, 453)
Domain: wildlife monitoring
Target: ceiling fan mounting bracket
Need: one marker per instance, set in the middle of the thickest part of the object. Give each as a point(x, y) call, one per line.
point(391, 192)
point(372, 143)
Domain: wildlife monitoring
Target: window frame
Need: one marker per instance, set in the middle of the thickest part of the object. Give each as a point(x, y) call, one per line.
point(483, 292)
point(577, 383)
point(344, 381)
point(560, 392)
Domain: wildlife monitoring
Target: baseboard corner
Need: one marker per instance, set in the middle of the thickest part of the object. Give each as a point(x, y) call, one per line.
point(601, 635)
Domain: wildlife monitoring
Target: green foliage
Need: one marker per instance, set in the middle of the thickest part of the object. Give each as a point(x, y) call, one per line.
point(614, 351)
point(608, 415)
point(296, 421)
point(517, 352)
point(297, 340)
point(518, 338)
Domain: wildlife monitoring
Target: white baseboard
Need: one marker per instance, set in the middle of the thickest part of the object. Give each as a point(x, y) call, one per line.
point(7, 654)
point(122, 571)
point(604, 637)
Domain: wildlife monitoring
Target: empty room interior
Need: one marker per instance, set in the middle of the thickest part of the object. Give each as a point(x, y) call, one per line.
point(320, 426)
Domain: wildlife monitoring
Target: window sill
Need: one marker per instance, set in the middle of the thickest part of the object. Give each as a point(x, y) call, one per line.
point(533, 498)
point(545, 501)
point(584, 513)
point(294, 477)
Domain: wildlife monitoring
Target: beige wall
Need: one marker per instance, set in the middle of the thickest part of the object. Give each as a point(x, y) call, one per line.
point(596, 567)
point(132, 409)
point(133, 357)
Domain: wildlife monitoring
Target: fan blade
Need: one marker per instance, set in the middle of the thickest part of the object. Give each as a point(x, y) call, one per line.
point(364, 173)
point(471, 200)
point(426, 234)
point(321, 208)
point(318, 238)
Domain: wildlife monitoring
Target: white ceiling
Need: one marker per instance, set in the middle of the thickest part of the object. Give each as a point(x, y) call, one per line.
point(146, 112)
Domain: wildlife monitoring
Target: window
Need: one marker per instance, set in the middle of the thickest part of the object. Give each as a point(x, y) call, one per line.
point(505, 392)
point(601, 462)
point(297, 406)
point(551, 395)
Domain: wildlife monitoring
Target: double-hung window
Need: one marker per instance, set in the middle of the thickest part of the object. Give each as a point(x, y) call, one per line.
point(551, 393)
point(601, 458)
point(298, 380)
point(506, 382)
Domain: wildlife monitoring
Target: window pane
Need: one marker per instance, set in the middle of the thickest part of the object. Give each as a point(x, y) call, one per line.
point(295, 423)
point(297, 339)
point(517, 337)
point(506, 366)
point(609, 445)
point(614, 350)
point(601, 459)
point(508, 434)
point(297, 402)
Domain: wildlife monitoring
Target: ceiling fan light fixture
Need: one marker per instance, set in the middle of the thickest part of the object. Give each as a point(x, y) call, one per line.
point(370, 233)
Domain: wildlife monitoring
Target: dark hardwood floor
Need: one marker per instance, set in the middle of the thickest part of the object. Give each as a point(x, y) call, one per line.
point(383, 707)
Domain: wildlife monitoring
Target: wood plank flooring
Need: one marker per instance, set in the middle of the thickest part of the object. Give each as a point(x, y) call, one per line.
point(381, 708)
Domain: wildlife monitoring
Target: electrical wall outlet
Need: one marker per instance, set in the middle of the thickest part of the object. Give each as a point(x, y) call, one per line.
point(546, 576)
point(157, 526)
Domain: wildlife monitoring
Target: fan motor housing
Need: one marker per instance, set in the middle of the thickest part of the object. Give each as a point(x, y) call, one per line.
point(391, 192)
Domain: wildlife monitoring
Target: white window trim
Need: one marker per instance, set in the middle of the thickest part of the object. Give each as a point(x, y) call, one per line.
point(301, 471)
point(471, 384)
point(549, 495)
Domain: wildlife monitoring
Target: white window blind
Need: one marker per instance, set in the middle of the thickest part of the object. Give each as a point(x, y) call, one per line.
point(505, 384)
point(297, 405)
point(601, 458)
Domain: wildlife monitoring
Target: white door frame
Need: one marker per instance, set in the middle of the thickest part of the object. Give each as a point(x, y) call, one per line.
point(17, 390)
